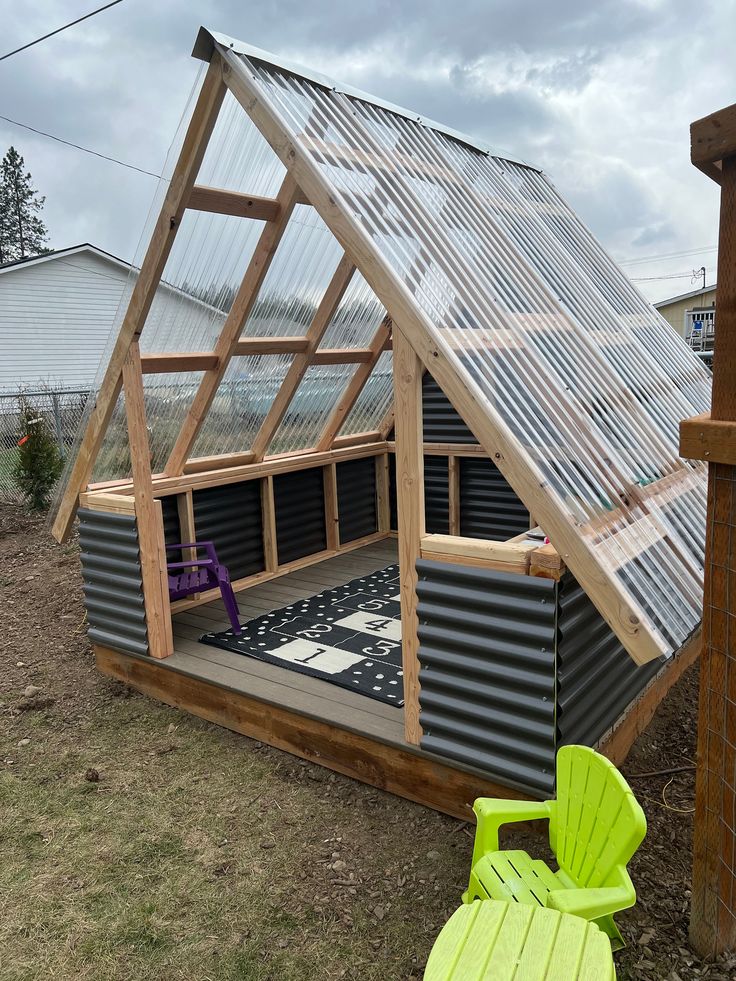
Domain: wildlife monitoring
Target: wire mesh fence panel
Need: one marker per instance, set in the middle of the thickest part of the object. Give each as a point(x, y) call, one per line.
point(62, 409)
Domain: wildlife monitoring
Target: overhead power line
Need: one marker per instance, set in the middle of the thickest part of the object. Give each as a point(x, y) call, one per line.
point(668, 255)
point(84, 149)
point(59, 30)
point(692, 275)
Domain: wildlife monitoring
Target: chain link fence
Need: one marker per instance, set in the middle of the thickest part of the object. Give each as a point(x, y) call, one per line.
point(63, 410)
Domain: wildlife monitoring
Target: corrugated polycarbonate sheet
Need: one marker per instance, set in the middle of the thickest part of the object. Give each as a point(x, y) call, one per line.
point(374, 401)
point(568, 360)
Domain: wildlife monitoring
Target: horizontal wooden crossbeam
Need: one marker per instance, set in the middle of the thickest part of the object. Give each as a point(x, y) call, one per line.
point(711, 139)
point(221, 202)
point(270, 345)
point(157, 364)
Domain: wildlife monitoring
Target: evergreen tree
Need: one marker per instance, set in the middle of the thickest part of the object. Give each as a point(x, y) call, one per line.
point(39, 463)
point(22, 230)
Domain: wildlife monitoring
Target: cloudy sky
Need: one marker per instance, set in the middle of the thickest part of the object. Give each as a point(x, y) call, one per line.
point(599, 93)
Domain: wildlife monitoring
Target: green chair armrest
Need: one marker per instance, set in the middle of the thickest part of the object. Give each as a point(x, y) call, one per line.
point(592, 903)
point(492, 814)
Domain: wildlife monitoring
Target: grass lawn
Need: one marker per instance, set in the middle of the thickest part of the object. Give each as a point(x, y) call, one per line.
point(140, 842)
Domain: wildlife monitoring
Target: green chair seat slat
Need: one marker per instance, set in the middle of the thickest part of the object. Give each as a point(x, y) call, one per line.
point(515, 876)
point(497, 941)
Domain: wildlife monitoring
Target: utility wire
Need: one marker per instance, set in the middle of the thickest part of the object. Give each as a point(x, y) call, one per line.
point(84, 149)
point(652, 279)
point(669, 255)
point(59, 30)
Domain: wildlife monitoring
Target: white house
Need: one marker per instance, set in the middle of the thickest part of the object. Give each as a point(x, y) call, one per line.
point(57, 313)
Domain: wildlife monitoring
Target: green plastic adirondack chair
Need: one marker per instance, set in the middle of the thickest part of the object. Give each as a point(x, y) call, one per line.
point(493, 941)
point(595, 826)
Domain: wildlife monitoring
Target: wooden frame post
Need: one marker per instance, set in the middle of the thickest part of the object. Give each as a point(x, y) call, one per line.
point(453, 494)
point(332, 517)
point(713, 913)
point(407, 370)
point(383, 493)
point(268, 511)
point(148, 514)
point(182, 180)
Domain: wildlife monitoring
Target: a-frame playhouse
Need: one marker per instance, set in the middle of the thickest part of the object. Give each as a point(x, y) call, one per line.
point(405, 348)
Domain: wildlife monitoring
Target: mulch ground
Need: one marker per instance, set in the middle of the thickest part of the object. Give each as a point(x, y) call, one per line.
point(143, 842)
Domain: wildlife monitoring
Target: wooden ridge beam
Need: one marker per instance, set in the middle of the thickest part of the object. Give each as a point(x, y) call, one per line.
point(233, 327)
point(269, 345)
point(298, 367)
point(218, 201)
point(703, 438)
point(158, 364)
point(182, 179)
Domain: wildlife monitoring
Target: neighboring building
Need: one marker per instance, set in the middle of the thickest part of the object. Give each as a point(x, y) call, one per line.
point(693, 316)
point(57, 313)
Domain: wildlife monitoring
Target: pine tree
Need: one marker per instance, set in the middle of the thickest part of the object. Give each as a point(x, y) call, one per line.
point(39, 463)
point(22, 230)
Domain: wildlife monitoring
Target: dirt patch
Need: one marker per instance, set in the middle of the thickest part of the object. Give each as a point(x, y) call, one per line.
point(142, 842)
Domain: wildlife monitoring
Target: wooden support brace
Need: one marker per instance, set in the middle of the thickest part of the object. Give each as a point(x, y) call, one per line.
point(192, 151)
point(159, 364)
point(268, 510)
point(410, 502)
point(354, 387)
point(233, 326)
point(383, 496)
point(148, 513)
point(269, 345)
point(332, 515)
point(218, 201)
point(453, 494)
point(298, 368)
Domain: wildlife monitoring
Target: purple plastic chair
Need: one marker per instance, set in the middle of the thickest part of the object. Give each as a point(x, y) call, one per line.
point(195, 575)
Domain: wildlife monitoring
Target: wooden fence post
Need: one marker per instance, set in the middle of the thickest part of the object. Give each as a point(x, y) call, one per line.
point(713, 920)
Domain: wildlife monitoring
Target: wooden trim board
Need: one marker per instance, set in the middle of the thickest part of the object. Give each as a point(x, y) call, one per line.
point(405, 772)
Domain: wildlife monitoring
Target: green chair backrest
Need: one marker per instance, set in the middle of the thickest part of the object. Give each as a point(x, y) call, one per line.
point(597, 823)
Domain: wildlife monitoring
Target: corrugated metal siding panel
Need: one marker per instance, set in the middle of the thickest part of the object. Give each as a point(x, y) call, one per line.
point(596, 678)
point(113, 585)
point(436, 492)
point(230, 516)
point(392, 492)
point(487, 653)
point(488, 506)
point(442, 424)
point(356, 498)
point(172, 528)
point(300, 513)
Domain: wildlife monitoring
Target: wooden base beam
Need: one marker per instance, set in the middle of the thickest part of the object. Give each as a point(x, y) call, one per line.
point(404, 772)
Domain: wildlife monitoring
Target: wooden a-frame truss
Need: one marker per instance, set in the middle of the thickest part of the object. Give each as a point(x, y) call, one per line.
point(412, 335)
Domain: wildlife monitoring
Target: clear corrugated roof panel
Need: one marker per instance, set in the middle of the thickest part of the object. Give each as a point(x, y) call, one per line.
point(569, 362)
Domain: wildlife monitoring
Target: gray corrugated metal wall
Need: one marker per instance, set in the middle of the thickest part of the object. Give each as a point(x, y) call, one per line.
point(442, 424)
point(113, 585)
point(356, 498)
point(300, 513)
point(436, 491)
point(230, 516)
point(392, 492)
point(596, 678)
point(172, 527)
point(489, 508)
point(487, 653)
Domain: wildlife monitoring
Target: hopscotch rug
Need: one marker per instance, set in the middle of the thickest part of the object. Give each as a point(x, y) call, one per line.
point(349, 636)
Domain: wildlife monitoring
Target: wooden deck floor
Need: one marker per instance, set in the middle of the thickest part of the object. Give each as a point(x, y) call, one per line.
point(278, 686)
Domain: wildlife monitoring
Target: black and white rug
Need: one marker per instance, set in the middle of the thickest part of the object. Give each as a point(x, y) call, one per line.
point(350, 636)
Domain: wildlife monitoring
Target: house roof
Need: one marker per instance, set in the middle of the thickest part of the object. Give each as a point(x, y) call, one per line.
point(59, 253)
point(538, 339)
point(684, 296)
